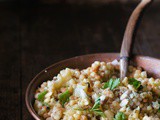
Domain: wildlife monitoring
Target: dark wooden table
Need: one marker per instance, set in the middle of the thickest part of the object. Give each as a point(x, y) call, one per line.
point(35, 36)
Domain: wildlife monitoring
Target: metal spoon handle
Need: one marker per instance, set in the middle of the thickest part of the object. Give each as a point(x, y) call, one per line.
point(128, 36)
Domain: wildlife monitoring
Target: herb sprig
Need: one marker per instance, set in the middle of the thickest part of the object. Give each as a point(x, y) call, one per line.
point(120, 116)
point(42, 95)
point(64, 97)
point(136, 84)
point(112, 83)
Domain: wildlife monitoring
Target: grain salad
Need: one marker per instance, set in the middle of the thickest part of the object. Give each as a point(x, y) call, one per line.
point(97, 93)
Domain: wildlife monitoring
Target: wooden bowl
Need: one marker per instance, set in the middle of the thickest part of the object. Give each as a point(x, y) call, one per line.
point(151, 65)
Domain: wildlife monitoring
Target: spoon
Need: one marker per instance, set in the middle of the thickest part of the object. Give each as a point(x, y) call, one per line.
point(128, 36)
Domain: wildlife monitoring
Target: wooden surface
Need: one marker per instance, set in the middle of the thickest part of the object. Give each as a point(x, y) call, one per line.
point(33, 37)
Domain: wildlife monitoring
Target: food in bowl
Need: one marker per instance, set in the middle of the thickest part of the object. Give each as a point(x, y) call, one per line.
point(97, 93)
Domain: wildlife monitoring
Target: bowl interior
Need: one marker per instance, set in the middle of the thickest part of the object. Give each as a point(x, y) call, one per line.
point(151, 65)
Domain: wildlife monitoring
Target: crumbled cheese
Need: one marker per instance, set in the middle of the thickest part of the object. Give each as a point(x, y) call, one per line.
point(79, 92)
point(124, 95)
point(124, 102)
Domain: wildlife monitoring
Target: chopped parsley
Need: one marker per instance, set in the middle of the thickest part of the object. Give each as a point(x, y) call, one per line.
point(120, 116)
point(42, 95)
point(99, 112)
point(97, 108)
point(97, 104)
point(136, 84)
point(112, 83)
point(64, 97)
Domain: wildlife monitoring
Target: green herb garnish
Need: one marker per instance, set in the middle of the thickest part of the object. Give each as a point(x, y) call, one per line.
point(97, 104)
point(136, 84)
point(112, 83)
point(97, 108)
point(99, 112)
point(64, 97)
point(81, 109)
point(120, 116)
point(42, 95)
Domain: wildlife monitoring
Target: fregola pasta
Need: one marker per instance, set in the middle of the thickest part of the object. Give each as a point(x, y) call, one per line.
point(97, 93)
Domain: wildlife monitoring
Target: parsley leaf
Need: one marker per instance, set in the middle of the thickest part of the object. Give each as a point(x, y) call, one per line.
point(112, 83)
point(136, 84)
point(120, 116)
point(42, 95)
point(99, 112)
point(64, 97)
point(81, 109)
point(97, 108)
point(96, 104)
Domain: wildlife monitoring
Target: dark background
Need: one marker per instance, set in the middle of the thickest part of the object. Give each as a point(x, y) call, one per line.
point(36, 34)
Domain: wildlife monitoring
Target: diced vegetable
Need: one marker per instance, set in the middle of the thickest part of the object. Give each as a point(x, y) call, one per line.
point(64, 97)
point(79, 92)
point(42, 95)
point(97, 108)
point(136, 84)
point(112, 83)
point(120, 116)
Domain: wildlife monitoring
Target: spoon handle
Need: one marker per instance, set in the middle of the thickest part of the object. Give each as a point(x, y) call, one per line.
point(128, 36)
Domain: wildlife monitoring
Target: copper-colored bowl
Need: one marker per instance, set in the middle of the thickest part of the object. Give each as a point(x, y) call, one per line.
point(151, 65)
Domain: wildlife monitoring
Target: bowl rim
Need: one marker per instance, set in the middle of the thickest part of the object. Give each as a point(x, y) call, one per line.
point(28, 103)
